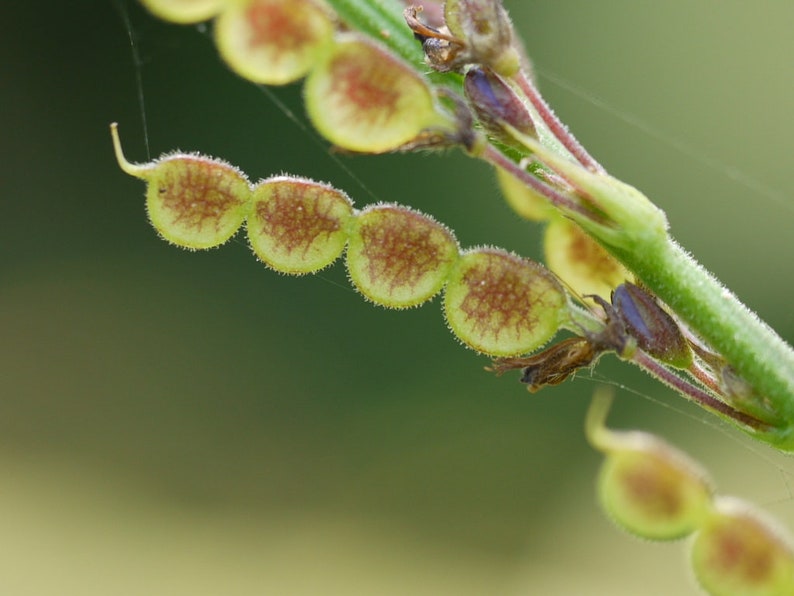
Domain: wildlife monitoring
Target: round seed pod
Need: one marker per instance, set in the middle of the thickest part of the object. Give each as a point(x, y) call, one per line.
point(501, 304)
point(273, 42)
point(363, 98)
point(193, 201)
point(739, 553)
point(579, 260)
point(184, 11)
point(651, 489)
point(525, 201)
point(398, 257)
point(297, 225)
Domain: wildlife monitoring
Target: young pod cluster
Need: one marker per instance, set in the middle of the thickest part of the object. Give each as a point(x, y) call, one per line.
point(655, 491)
point(495, 302)
point(359, 95)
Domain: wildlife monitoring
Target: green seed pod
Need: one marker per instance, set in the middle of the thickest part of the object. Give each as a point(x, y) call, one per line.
point(273, 42)
point(525, 201)
point(651, 489)
point(501, 304)
point(185, 11)
point(192, 201)
point(579, 260)
point(363, 98)
point(297, 225)
point(398, 257)
point(739, 553)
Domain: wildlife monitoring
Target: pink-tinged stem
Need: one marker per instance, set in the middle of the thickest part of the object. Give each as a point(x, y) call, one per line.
point(555, 125)
point(694, 393)
point(555, 197)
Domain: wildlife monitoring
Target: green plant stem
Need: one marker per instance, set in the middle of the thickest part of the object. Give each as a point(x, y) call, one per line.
point(382, 20)
point(755, 351)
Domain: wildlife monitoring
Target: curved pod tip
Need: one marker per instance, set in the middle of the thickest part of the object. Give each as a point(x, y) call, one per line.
point(193, 201)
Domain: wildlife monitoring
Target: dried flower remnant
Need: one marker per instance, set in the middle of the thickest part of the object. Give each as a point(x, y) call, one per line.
point(193, 201)
point(553, 365)
point(273, 42)
point(297, 225)
point(474, 32)
point(363, 98)
point(398, 257)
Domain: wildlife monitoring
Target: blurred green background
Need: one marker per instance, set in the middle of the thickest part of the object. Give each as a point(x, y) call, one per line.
point(192, 423)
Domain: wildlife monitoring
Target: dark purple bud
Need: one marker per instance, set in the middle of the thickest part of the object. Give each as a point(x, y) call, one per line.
point(495, 103)
point(655, 331)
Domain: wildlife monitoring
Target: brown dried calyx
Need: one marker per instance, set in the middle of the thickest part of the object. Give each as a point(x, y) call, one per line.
point(474, 32)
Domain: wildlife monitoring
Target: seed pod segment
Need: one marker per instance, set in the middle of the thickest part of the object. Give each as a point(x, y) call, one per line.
point(525, 201)
point(398, 257)
point(739, 553)
point(501, 304)
point(297, 225)
point(647, 486)
point(193, 201)
point(580, 261)
point(185, 11)
point(363, 98)
point(273, 42)
point(652, 489)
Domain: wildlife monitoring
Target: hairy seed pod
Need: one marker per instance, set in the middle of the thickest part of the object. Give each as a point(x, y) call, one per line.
point(185, 11)
point(525, 201)
point(501, 304)
point(655, 330)
point(739, 553)
point(273, 42)
point(652, 489)
point(297, 225)
point(363, 98)
point(398, 257)
point(579, 260)
point(496, 104)
point(192, 201)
